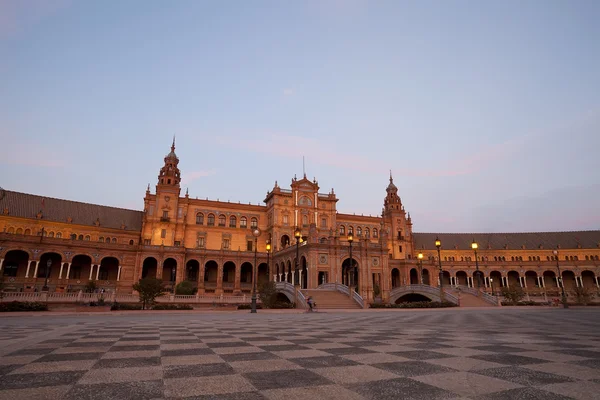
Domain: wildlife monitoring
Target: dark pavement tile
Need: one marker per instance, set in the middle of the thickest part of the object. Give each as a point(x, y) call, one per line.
point(30, 352)
point(400, 388)
point(285, 379)
point(591, 363)
point(186, 371)
point(145, 390)
point(283, 347)
point(580, 353)
point(321, 362)
point(523, 376)
point(69, 357)
point(91, 344)
point(127, 362)
point(186, 352)
point(527, 393)
point(420, 355)
point(134, 348)
point(510, 359)
point(22, 381)
point(227, 344)
point(263, 355)
point(499, 349)
point(348, 350)
point(179, 341)
point(412, 368)
point(230, 396)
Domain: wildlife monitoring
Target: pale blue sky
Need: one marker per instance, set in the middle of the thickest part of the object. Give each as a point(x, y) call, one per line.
point(488, 113)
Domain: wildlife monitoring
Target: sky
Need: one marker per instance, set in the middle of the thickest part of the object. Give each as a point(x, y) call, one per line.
point(487, 113)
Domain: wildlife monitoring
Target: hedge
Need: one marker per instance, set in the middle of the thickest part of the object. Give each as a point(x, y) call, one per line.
point(23, 306)
point(172, 307)
point(124, 306)
point(417, 304)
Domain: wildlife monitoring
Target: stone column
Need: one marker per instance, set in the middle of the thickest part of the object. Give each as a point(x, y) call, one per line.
point(300, 278)
point(37, 263)
point(91, 271)
point(558, 282)
point(68, 271)
point(60, 270)
point(201, 279)
point(285, 273)
point(27, 271)
point(578, 281)
point(219, 289)
point(97, 272)
point(597, 283)
point(1, 262)
point(237, 278)
point(543, 281)
point(119, 274)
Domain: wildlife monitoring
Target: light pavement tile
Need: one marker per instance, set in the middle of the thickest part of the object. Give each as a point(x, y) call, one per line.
point(300, 353)
point(344, 339)
point(55, 366)
point(524, 393)
point(114, 375)
point(41, 393)
point(569, 370)
point(77, 350)
point(223, 340)
point(131, 354)
point(11, 360)
point(179, 346)
point(374, 358)
point(325, 392)
point(326, 345)
point(465, 363)
point(92, 340)
point(536, 346)
point(576, 390)
point(237, 350)
point(550, 356)
point(272, 343)
point(466, 383)
point(387, 348)
point(463, 352)
point(263, 365)
point(208, 385)
point(191, 360)
point(354, 374)
point(144, 390)
point(137, 343)
point(399, 388)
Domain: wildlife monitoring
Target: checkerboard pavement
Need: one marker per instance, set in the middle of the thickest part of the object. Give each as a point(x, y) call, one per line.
point(450, 354)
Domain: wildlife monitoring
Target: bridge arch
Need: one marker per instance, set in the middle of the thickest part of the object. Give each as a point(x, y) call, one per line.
point(429, 292)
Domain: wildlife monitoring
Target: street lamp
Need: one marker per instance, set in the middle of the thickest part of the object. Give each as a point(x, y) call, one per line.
point(438, 244)
point(474, 246)
point(420, 264)
point(48, 265)
point(492, 285)
point(351, 269)
point(256, 234)
point(560, 280)
point(298, 236)
point(268, 251)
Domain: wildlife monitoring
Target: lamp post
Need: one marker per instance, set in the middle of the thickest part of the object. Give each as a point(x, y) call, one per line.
point(351, 269)
point(268, 246)
point(492, 285)
point(474, 246)
point(420, 264)
point(560, 280)
point(298, 236)
point(438, 244)
point(256, 234)
point(48, 265)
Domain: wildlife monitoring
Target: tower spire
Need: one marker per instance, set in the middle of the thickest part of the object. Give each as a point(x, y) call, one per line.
point(173, 145)
point(391, 179)
point(303, 168)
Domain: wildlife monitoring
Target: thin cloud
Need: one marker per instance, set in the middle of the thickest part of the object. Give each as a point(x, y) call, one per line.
point(32, 155)
point(288, 92)
point(189, 177)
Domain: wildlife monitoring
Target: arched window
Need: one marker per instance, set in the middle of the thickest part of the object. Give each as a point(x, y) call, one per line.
point(114, 240)
point(358, 231)
point(211, 220)
point(199, 219)
point(374, 232)
point(101, 239)
point(323, 240)
point(19, 231)
point(59, 235)
point(107, 240)
point(87, 237)
point(11, 230)
point(367, 233)
point(50, 234)
point(253, 223)
point(80, 237)
point(131, 242)
point(350, 230)
point(232, 221)
point(305, 220)
point(342, 230)
point(243, 222)
point(576, 258)
point(222, 220)
point(324, 222)
point(28, 231)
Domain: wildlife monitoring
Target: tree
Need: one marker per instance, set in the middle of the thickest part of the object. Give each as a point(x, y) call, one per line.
point(185, 288)
point(149, 289)
point(90, 287)
point(582, 295)
point(513, 294)
point(267, 292)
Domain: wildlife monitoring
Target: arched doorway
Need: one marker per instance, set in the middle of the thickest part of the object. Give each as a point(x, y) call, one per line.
point(211, 272)
point(495, 281)
point(81, 269)
point(426, 277)
point(550, 282)
point(569, 280)
point(513, 279)
point(263, 274)
point(478, 279)
point(229, 276)
point(531, 280)
point(414, 277)
point(289, 271)
point(192, 270)
point(588, 278)
point(461, 278)
point(15, 264)
point(246, 277)
point(395, 278)
point(108, 270)
point(149, 267)
point(350, 273)
point(304, 283)
point(285, 241)
point(445, 278)
point(169, 273)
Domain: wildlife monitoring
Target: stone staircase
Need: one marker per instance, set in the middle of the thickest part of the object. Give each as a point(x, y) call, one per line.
point(330, 299)
point(471, 300)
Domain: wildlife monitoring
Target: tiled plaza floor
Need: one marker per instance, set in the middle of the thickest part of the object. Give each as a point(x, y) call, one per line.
point(442, 354)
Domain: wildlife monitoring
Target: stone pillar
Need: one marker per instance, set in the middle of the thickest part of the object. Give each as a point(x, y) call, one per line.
point(201, 279)
point(274, 277)
point(61, 270)
point(285, 273)
point(597, 283)
point(97, 272)
point(1, 262)
point(27, 271)
point(237, 279)
point(543, 281)
point(578, 281)
point(219, 289)
point(558, 282)
point(68, 271)
point(293, 279)
point(300, 278)
point(91, 271)
point(119, 274)
point(37, 263)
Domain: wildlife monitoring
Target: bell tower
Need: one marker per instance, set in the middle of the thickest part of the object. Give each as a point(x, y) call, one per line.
point(397, 222)
point(169, 176)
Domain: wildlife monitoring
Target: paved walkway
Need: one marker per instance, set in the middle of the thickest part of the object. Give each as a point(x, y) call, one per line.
point(440, 354)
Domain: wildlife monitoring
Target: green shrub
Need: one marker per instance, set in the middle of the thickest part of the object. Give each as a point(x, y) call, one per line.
point(513, 294)
point(15, 306)
point(416, 304)
point(172, 307)
point(149, 289)
point(267, 292)
point(186, 288)
point(124, 306)
point(248, 306)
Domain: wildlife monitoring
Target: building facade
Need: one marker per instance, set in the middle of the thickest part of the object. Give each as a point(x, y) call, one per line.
point(64, 245)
